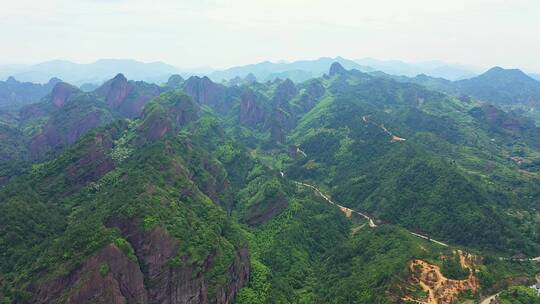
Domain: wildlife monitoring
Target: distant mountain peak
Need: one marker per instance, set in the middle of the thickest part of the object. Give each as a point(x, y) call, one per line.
point(502, 86)
point(497, 70)
point(120, 77)
point(54, 81)
point(61, 92)
point(336, 69)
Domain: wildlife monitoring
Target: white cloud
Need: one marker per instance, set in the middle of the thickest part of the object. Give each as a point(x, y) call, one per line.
point(222, 33)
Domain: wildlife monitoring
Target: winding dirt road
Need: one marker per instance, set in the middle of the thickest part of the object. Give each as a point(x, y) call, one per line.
point(343, 208)
point(349, 211)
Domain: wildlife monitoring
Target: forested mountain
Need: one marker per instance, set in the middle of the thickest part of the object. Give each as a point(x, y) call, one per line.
point(431, 68)
point(41, 130)
point(497, 85)
point(345, 188)
point(95, 72)
point(501, 86)
point(391, 149)
point(15, 94)
point(510, 89)
point(297, 71)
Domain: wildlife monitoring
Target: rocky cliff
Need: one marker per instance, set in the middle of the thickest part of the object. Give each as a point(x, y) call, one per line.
point(206, 92)
point(127, 97)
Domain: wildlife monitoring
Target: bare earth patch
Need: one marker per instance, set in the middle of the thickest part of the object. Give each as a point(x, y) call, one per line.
point(439, 289)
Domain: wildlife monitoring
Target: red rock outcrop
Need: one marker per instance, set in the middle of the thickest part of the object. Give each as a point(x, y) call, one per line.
point(206, 92)
point(94, 164)
point(127, 97)
point(170, 116)
point(56, 133)
point(108, 277)
point(111, 276)
point(251, 112)
point(61, 93)
point(171, 284)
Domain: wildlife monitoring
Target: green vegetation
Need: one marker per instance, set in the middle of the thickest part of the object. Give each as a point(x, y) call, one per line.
point(519, 295)
point(217, 177)
point(451, 268)
point(104, 269)
point(451, 178)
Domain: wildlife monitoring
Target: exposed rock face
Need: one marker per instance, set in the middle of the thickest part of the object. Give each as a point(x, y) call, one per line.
point(251, 112)
point(140, 93)
point(111, 276)
point(108, 277)
point(117, 91)
point(127, 97)
point(170, 113)
point(44, 142)
point(336, 69)
point(94, 164)
point(61, 93)
point(170, 284)
point(282, 120)
point(56, 134)
point(206, 92)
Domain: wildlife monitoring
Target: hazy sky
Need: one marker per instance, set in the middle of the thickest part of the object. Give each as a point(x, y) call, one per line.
point(220, 33)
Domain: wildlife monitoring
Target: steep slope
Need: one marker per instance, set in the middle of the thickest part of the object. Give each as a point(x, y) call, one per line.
point(67, 113)
point(13, 152)
point(418, 158)
point(198, 200)
point(15, 94)
point(503, 86)
point(510, 89)
point(256, 113)
point(127, 97)
point(129, 217)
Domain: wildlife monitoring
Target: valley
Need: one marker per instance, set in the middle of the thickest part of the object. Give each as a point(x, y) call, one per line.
point(205, 192)
point(269, 152)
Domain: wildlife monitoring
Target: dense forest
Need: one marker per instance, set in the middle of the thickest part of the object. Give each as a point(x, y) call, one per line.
point(195, 192)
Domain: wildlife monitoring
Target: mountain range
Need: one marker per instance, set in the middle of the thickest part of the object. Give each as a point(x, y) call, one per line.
point(436, 69)
point(350, 187)
point(14, 94)
point(297, 71)
point(96, 72)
